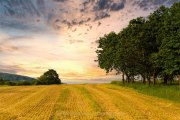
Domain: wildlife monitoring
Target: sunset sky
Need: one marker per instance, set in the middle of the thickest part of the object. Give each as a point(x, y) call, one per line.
point(37, 35)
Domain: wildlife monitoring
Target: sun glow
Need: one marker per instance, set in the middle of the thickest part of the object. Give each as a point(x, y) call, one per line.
point(60, 35)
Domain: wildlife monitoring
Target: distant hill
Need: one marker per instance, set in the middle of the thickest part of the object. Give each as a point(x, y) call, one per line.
point(14, 77)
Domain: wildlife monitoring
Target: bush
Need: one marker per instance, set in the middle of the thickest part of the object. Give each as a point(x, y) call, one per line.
point(24, 83)
point(10, 83)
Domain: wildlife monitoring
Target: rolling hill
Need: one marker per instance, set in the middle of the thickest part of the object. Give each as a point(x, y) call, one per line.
point(14, 77)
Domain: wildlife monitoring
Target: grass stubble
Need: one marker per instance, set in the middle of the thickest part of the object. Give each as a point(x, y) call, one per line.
point(83, 102)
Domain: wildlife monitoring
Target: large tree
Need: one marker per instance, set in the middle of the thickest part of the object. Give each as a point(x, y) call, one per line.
point(168, 56)
point(108, 53)
point(149, 47)
point(49, 77)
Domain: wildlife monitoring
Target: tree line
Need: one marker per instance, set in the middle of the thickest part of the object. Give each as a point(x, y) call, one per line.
point(48, 78)
point(148, 47)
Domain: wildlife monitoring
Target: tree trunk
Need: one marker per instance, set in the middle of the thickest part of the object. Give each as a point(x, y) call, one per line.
point(154, 78)
point(133, 79)
point(165, 79)
point(179, 79)
point(128, 78)
point(123, 78)
point(144, 79)
point(149, 79)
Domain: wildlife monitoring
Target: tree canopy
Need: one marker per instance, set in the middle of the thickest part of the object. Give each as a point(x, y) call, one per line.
point(49, 77)
point(147, 47)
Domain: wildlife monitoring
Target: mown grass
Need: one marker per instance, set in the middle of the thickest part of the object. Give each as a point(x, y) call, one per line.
point(169, 92)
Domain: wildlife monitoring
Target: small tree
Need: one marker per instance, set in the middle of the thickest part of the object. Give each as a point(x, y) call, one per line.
point(49, 77)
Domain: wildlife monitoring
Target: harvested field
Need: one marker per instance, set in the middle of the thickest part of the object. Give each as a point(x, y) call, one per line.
point(83, 102)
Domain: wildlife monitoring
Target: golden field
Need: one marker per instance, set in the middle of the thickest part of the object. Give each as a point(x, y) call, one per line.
point(82, 102)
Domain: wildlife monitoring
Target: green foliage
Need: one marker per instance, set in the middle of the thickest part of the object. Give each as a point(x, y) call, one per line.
point(15, 83)
point(149, 47)
point(107, 52)
point(49, 77)
point(168, 56)
point(24, 83)
point(169, 92)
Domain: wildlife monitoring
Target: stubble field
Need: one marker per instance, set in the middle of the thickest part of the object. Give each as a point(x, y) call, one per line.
point(83, 102)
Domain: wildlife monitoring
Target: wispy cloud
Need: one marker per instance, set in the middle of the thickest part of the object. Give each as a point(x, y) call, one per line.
point(36, 35)
point(11, 68)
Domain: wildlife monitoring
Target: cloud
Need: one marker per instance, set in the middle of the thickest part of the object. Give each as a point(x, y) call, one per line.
point(102, 4)
point(101, 8)
point(75, 41)
point(39, 15)
point(101, 15)
point(118, 6)
point(22, 70)
point(8, 44)
point(18, 8)
point(9, 25)
point(11, 68)
point(152, 4)
point(41, 41)
point(59, 0)
point(13, 24)
point(110, 5)
point(8, 48)
point(16, 37)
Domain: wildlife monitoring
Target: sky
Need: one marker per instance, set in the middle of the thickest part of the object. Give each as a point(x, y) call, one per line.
point(37, 35)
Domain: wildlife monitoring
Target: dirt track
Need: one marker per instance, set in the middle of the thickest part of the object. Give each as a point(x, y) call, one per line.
point(86, 102)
